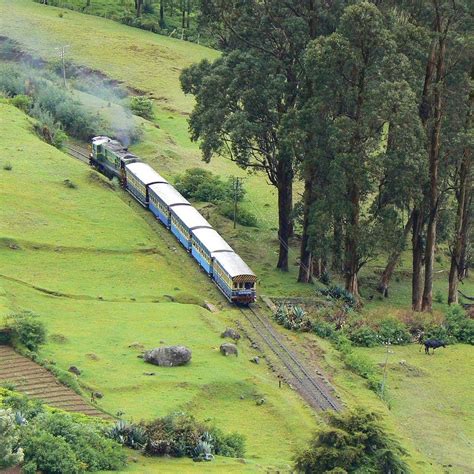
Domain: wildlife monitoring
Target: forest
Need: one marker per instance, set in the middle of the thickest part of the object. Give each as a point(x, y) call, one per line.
point(369, 104)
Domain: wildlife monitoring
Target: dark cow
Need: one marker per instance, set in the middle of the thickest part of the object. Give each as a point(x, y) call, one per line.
point(433, 344)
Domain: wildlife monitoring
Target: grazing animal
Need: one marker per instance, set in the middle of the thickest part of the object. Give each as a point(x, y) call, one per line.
point(433, 344)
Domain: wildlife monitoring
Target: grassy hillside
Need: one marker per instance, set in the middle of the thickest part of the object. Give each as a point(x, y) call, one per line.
point(102, 273)
point(99, 273)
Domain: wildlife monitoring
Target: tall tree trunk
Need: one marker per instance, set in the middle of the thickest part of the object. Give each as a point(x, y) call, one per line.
point(351, 257)
point(162, 12)
point(188, 13)
point(285, 205)
point(183, 13)
point(434, 152)
point(336, 263)
point(417, 262)
point(393, 259)
point(305, 273)
point(464, 196)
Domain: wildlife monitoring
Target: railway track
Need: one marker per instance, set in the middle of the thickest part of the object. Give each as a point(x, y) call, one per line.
point(78, 153)
point(316, 392)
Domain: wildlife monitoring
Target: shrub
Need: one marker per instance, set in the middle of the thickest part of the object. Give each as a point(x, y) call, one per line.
point(230, 445)
point(294, 318)
point(394, 332)
point(90, 446)
point(132, 436)
point(47, 128)
point(22, 101)
point(325, 278)
point(180, 434)
point(50, 454)
point(202, 185)
point(336, 292)
point(459, 325)
point(10, 453)
point(243, 217)
point(142, 106)
point(323, 329)
point(28, 330)
point(364, 336)
point(7, 166)
point(351, 441)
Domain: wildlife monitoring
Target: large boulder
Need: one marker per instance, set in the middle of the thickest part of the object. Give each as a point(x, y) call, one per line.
point(168, 356)
point(232, 333)
point(229, 349)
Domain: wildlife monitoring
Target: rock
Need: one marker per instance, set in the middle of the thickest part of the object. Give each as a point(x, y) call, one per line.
point(232, 333)
point(242, 397)
point(254, 345)
point(255, 360)
point(403, 362)
point(74, 370)
point(229, 349)
point(260, 402)
point(98, 395)
point(168, 356)
point(149, 373)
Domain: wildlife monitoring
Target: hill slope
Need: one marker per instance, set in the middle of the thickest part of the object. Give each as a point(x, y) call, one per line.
point(100, 272)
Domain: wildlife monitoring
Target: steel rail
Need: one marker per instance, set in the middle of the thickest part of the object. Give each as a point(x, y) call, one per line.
point(312, 390)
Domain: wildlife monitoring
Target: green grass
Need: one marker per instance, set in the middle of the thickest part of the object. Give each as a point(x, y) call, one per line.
point(431, 400)
point(100, 271)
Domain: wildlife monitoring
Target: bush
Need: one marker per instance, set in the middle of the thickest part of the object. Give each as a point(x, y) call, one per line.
point(323, 329)
point(28, 330)
point(180, 435)
point(459, 325)
point(142, 106)
point(202, 185)
point(132, 436)
point(90, 446)
point(364, 336)
point(292, 318)
point(393, 331)
point(10, 453)
point(243, 217)
point(354, 441)
point(336, 292)
point(50, 454)
point(47, 128)
point(22, 101)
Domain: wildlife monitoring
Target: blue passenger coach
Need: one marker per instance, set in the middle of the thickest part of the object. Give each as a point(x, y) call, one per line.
point(139, 176)
point(162, 198)
point(206, 243)
point(184, 221)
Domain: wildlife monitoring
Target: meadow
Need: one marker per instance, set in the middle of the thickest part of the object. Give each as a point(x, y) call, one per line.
point(75, 242)
point(118, 281)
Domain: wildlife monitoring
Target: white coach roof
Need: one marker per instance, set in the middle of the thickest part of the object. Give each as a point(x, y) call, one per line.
point(169, 195)
point(190, 217)
point(145, 173)
point(211, 240)
point(233, 264)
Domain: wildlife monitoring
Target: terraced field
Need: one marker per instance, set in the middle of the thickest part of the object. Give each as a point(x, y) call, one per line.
point(36, 382)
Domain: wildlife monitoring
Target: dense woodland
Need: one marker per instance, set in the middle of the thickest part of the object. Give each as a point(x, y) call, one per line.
point(369, 104)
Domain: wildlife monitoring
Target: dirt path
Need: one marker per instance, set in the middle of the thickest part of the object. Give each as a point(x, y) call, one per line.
point(36, 382)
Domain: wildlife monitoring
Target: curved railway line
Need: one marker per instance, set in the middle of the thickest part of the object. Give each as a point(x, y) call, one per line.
point(315, 392)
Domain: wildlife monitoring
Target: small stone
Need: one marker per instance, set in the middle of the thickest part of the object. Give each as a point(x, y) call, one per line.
point(229, 349)
point(149, 373)
point(242, 397)
point(231, 333)
point(74, 370)
point(98, 395)
point(260, 402)
point(255, 360)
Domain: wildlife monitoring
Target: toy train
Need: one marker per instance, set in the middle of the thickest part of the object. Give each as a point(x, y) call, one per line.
point(214, 255)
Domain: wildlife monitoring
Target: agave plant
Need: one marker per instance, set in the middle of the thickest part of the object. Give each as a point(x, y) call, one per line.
point(132, 436)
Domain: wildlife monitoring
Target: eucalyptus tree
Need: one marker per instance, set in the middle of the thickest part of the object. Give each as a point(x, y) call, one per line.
point(245, 100)
point(364, 111)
